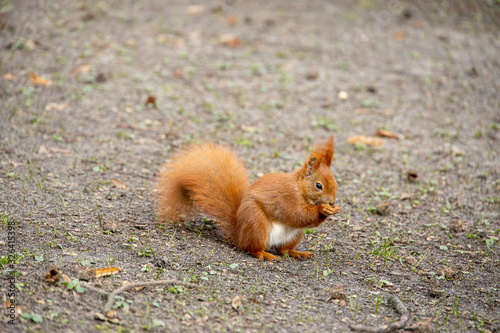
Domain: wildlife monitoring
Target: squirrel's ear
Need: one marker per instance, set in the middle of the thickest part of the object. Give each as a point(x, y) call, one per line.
point(310, 166)
point(328, 150)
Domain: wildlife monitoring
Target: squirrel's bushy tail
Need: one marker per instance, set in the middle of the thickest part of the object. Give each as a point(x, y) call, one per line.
point(206, 178)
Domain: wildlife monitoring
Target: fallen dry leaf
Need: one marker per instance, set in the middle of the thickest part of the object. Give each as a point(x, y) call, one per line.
point(8, 76)
point(230, 40)
point(457, 226)
point(365, 140)
point(82, 69)
point(404, 196)
point(100, 78)
point(336, 292)
point(38, 80)
point(116, 183)
point(163, 39)
point(110, 314)
point(400, 34)
point(52, 275)
point(217, 9)
point(232, 20)
point(387, 134)
point(30, 45)
point(419, 24)
point(248, 129)
point(313, 74)
point(66, 278)
point(151, 101)
point(55, 150)
point(132, 42)
point(55, 106)
point(43, 150)
point(387, 112)
point(383, 208)
point(455, 151)
point(100, 272)
point(195, 9)
point(236, 303)
point(193, 35)
point(412, 176)
point(449, 273)
point(100, 44)
point(109, 225)
point(363, 111)
point(134, 127)
point(179, 42)
point(100, 316)
point(60, 151)
point(178, 74)
point(410, 260)
point(8, 305)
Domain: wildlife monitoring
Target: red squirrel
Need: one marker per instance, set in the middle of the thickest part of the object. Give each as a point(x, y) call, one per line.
point(270, 214)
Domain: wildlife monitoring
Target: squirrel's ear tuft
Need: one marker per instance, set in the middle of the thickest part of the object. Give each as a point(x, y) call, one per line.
point(310, 166)
point(323, 152)
point(328, 150)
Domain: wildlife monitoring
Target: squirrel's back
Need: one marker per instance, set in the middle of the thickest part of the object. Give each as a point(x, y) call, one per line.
point(206, 178)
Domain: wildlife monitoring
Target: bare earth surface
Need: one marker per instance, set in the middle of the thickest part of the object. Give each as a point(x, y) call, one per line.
point(79, 150)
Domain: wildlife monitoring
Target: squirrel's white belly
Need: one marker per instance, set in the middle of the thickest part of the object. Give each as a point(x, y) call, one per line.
point(281, 234)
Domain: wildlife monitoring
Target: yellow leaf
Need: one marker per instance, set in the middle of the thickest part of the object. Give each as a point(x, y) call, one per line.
point(116, 183)
point(38, 80)
point(60, 151)
point(387, 134)
point(9, 76)
point(163, 39)
point(195, 9)
point(99, 272)
point(400, 34)
point(55, 106)
point(230, 40)
point(84, 69)
point(365, 140)
point(232, 20)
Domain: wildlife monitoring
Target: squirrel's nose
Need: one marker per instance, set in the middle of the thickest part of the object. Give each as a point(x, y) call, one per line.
point(331, 203)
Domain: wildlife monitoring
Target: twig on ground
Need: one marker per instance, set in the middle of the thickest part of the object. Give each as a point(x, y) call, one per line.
point(111, 296)
point(95, 289)
point(401, 323)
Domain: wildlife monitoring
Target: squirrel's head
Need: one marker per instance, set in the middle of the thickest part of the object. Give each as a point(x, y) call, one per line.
point(319, 185)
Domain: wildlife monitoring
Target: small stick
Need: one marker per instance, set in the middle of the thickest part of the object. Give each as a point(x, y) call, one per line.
point(111, 296)
point(91, 287)
point(401, 323)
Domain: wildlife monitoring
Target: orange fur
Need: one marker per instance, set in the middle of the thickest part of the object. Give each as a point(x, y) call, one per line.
point(270, 213)
point(207, 178)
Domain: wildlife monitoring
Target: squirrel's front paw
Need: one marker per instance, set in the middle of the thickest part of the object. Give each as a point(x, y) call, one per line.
point(326, 209)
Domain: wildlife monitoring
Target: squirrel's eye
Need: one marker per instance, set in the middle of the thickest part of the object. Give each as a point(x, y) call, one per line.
point(319, 186)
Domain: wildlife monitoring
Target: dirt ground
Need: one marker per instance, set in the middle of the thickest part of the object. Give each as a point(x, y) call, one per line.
point(96, 95)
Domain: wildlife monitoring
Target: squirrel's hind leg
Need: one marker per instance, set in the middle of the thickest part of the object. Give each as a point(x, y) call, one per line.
point(261, 255)
point(290, 248)
point(252, 231)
